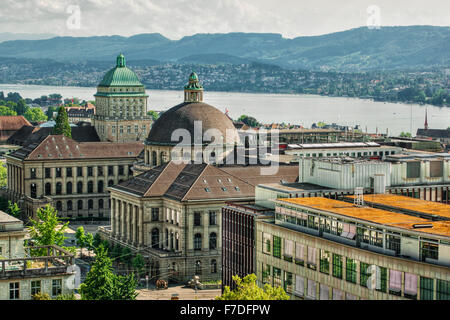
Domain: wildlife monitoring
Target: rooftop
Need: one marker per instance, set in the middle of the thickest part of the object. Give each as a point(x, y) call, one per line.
point(333, 145)
point(6, 218)
point(391, 201)
point(373, 215)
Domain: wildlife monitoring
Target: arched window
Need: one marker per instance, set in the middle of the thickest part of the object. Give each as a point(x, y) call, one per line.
point(213, 241)
point(90, 187)
point(172, 244)
point(177, 239)
point(154, 158)
point(69, 187)
point(198, 267)
point(100, 186)
point(213, 266)
point(48, 189)
point(33, 190)
point(58, 188)
point(69, 205)
point(100, 203)
point(110, 183)
point(155, 238)
point(166, 238)
point(90, 204)
point(59, 205)
point(198, 241)
point(80, 205)
point(79, 187)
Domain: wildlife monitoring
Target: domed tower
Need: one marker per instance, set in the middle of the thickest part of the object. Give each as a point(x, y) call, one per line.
point(121, 106)
point(189, 131)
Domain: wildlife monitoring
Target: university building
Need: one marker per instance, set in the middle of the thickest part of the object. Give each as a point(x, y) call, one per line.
point(21, 275)
point(71, 176)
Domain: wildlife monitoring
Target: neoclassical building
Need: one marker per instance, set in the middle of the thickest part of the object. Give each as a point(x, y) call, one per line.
point(121, 106)
point(171, 214)
point(190, 130)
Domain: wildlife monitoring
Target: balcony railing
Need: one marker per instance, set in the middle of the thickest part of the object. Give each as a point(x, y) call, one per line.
point(56, 261)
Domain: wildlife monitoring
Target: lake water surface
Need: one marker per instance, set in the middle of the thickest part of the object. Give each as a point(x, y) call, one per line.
point(288, 108)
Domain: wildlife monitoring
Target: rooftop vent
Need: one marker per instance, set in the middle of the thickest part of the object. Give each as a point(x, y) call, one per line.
point(422, 225)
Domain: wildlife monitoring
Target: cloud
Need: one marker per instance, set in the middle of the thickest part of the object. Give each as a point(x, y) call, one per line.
point(178, 18)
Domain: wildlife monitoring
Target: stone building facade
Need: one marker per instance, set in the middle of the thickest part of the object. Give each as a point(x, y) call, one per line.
point(121, 106)
point(72, 176)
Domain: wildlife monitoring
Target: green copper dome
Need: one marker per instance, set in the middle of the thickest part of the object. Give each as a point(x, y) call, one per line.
point(194, 83)
point(120, 76)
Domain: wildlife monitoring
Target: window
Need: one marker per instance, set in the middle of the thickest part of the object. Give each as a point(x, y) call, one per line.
point(395, 282)
point(59, 205)
point(410, 286)
point(48, 173)
point(324, 262)
point(90, 171)
point(69, 172)
point(80, 204)
point(350, 272)
point(393, 243)
point(337, 294)
point(198, 267)
point(56, 287)
point(90, 187)
point(136, 129)
point(58, 188)
point(364, 274)
point(100, 204)
point(58, 172)
point(90, 204)
point(213, 266)
point(442, 290)
point(412, 169)
point(429, 250)
point(266, 276)
point(288, 250)
point(311, 263)
point(276, 247)
point(69, 205)
point(48, 189)
point(100, 186)
point(79, 171)
point(79, 187)
point(121, 128)
point(198, 241)
point(113, 129)
point(33, 190)
point(288, 283)
point(155, 238)
point(299, 286)
point(100, 171)
point(267, 240)
point(381, 279)
point(426, 288)
point(337, 266)
point(110, 170)
point(69, 187)
point(33, 173)
point(276, 277)
point(213, 241)
point(14, 291)
point(324, 292)
point(155, 214)
point(197, 219)
point(128, 129)
point(212, 218)
point(121, 170)
point(311, 294)
point(300, 254)
point(35, 287)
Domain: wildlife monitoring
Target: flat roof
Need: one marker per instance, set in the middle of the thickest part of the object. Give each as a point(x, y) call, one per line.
point(293, 187)
point(407, 203)
point(374, 215)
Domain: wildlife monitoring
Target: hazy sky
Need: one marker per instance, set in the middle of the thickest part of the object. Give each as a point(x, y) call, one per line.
point(177, 18)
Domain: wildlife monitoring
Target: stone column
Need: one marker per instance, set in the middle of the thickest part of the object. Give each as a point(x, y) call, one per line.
point(141, 226)
point(205, 224)
point(113, 216)
point(189, 233)
point(135, 230)
point(130, 222)
point(124, 221)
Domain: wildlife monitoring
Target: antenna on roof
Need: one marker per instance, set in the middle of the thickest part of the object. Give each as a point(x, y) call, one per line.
point(359, 196)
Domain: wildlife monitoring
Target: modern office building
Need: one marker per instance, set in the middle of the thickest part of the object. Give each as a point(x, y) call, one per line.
point(320, 248)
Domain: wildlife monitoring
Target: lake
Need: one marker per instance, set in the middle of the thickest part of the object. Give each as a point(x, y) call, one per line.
point(288, 108)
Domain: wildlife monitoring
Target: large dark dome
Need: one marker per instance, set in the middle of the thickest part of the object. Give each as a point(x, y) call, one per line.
point(184, 115)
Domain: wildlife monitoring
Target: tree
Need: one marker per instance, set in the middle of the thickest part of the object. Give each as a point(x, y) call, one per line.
point(80, 237)
point(47, 229)
point(139, 264)
point(126, 256)
point(250, 121)
point(405, 134)
point(13, 209)
point(102, 284)
point(153, 114)
point(97, 240)
point(3, 176)
point(50, 111)
point(62, 123)
point(35, 114)
point(5, 111)
point(21, 107)
point(247, 289)
point(89, 241)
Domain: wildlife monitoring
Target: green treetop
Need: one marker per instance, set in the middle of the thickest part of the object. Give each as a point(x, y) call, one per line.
point(35, 114)
point(247, 289)
point(3, 176)
point(5, 111)
point(62, 123)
